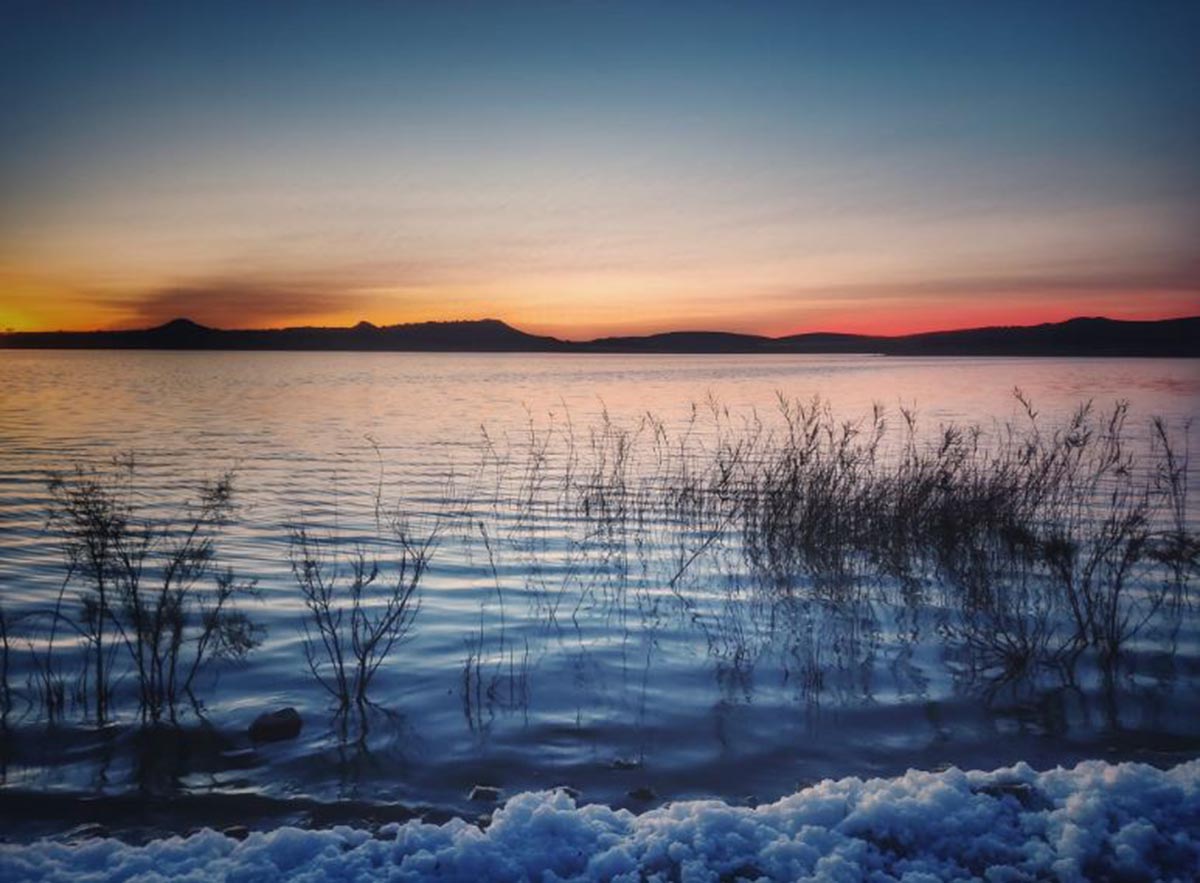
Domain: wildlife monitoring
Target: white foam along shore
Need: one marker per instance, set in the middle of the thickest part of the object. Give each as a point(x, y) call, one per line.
point(1097, 821)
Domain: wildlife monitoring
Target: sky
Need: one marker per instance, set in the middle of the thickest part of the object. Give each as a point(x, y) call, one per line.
point(584, 169)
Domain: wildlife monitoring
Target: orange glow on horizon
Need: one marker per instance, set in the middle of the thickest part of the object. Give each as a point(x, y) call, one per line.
point(58, 315)
point(570, 307)
point(921, 319)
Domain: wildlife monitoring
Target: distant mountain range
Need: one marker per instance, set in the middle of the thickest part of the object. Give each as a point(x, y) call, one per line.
point(1075, 337)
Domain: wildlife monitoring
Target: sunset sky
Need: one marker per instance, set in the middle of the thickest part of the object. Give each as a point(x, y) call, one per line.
point(583, 169)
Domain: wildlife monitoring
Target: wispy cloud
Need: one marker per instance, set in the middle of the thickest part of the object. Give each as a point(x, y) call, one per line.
point(240, 303)
point(1184, 277)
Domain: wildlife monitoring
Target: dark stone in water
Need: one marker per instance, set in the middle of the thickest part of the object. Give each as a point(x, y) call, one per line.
point(276, 726)
point(236, 832)
point(645, 794)
point(485, 794)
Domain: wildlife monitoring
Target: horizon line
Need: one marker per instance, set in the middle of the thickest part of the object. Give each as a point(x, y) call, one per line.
point(364, 324)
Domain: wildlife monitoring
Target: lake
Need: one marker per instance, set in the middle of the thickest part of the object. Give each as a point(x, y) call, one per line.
point(633, 661)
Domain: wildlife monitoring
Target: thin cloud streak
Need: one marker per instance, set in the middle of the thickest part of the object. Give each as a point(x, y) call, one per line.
point(1185, 278)
point(238, 304)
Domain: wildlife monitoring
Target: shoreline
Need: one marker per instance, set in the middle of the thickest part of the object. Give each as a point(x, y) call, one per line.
point(1012, 823)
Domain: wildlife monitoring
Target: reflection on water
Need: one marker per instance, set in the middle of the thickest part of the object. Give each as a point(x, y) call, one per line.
point(585, 621)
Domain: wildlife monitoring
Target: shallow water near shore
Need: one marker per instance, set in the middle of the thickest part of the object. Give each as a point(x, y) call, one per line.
point(543, 655)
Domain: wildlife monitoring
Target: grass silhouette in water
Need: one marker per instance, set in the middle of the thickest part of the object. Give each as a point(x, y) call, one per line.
point(151, 592)
point(357, 611)
point(1043, 540)
point(1036, 543)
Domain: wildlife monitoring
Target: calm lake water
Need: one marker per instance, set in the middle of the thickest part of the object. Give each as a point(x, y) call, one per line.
point(542, 655)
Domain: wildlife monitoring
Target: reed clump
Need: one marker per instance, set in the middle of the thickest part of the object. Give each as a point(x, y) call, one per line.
point(359, 608)
point(151, 599)
point(1043, 539)
point(1074, 519)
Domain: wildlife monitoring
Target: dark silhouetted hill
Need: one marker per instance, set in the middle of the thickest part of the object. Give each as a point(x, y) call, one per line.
point(1075, 337)
point(679, 342)
point(827, 342)
point(485, 335)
